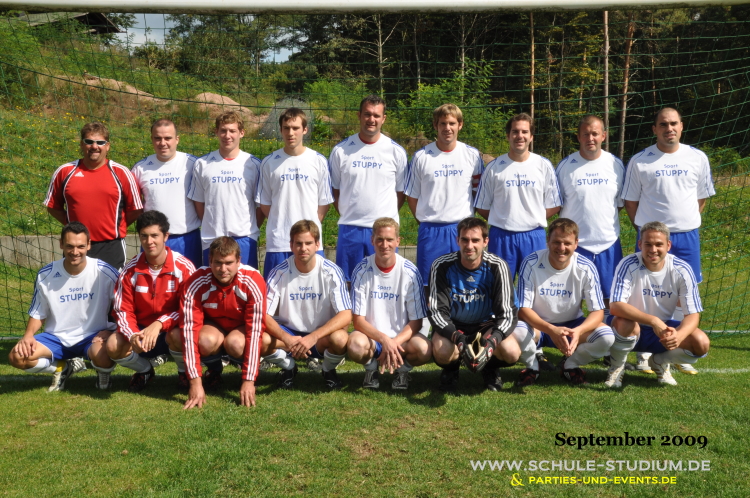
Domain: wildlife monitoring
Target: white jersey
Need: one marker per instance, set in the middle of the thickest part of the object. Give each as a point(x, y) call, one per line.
point(294, 187)
point(227, 187)
point(163, 185)
point(368, 177)
point(591, 197)
point(388, 301)
point(556, 295)
point(668, 186)
point(306, 301)
point(656, 293)
point(518, 194)
point(74, 306)
point(444, 182)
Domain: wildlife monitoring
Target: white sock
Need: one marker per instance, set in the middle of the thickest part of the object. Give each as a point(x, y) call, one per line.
point(677, 355)
point(372, 364)
point(104, 370)
point(597, 345)
point(280, 359)
point(405, 367)
point(43, 365)
point(135, 362)
point(620, 349)
point(179, 359)
point(332, 361)
point(525, 337)
point(642, 357)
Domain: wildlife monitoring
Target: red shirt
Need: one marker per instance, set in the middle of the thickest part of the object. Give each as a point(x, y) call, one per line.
point(97, 198)
point(140, 300)
point(241, 302)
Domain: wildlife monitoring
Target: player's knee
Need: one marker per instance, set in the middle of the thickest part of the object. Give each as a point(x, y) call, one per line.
point(15, 360)
point(174, 339)
point(624, 327)
point(117, 346)
point(421, 352)
point(234, 346)
point(702, 343)
point(443, 351)
point(337, 342)
point(358, 347)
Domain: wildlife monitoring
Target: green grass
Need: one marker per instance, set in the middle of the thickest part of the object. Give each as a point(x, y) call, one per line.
point(352, 443)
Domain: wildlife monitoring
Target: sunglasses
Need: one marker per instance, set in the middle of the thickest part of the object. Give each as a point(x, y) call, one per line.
point(88, 141)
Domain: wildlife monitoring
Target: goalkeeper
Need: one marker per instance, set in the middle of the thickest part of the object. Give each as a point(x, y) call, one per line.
point(470, 292)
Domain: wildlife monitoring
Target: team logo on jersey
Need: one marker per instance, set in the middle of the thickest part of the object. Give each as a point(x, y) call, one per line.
point(643, 267)
point(352, 143)
point(502, 162)
point(650, 154)
point(150, 163)
point(170, 286)
point(573, 161)
point(470, 279)
point(79, 174)
point(57, 275)
point(277, 156)
point(541, 265)
point(211, 305)
point(429, 152)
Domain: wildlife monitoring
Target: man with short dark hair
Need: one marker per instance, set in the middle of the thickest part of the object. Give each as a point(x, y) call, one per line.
point(72, 299)
point(101, 194)
point(223, 309)
point(147, 300)
point(164, 178)
point(294, 183)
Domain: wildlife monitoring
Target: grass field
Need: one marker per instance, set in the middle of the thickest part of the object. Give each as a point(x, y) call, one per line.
point(353, 443)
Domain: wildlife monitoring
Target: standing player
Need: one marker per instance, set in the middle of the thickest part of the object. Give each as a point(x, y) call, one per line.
point(223, 307)
point(471, 291)
point(670, 182)
point(309, 309)
point(294, 183)
point(99, 193)
point(147, 300)
point(164, 178)
point(367, 174)
point(72, 298)
point(552, 285)
point(388, 308)
point(517, 193)
point(648, 287)
point(223, 189)
point(591, 182)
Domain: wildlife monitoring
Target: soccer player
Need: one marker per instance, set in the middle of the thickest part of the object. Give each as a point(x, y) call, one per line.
point(647, 289)
point(72, 298)
point(147, 300)
point(368, 170)
point(517, 193)
point(223, 308)
point(294, 184)
point(97, 192)
point(223, 189)
point(552, 285)
point(164, 178)
point(440, 184)
point(670, 182)
point(309, 309)
point(471, 291)
point(591, 182)
point(387, 307)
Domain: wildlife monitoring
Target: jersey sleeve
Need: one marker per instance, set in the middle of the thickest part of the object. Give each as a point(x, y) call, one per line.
point(416, 309)
point(130, 189)
point(334, 167)
point(486, 190)
point(196, 189)
point(477, 174)
point(552, 197)
point(705, 180)
point(440, 301)
point(338, 292)
point(503, 300)
point(325, 196)
point(39, 307)
point(255, 325)
point(622, 283)
point(55, 193)
point(592, 288)
point(192, 322)
point(620, 173)
point(359, 290)
point(413, 185)
point(526, 290)
point(688, 288)
point(124, 307)
point(402, 161)
point(264, 194)
point(272, 291)
point(631, 190)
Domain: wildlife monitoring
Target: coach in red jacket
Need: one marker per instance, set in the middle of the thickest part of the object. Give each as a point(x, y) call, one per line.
point(147, 300)
point(223, 307)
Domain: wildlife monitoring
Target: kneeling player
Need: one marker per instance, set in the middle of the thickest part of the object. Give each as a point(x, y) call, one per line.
point(552, 285)
point(309, 309)
point(223, 307)
point(72, 298)
point(147, 300)
point(388, 308)
point(470, 293)
point(649, 285)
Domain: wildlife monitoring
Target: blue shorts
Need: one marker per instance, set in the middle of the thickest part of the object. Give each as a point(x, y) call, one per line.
point(648, 341)
point(248, 252)
point(605, 263)
point(60, 352)
point(187, 244)
point(513, 247)
point(274, 259)
point(314, 350)
point(545, 341)
point(686, 246)
point(353, 245)
point(433, 241)
point(159, 348)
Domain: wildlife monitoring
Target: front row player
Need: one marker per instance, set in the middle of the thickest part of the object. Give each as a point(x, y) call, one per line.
point(308, 309)
point(223, 308)
point(147, 300)
point(388, 308)
point(72, 298)
point(552, 285)
point(470, 292)
point(648, 287)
